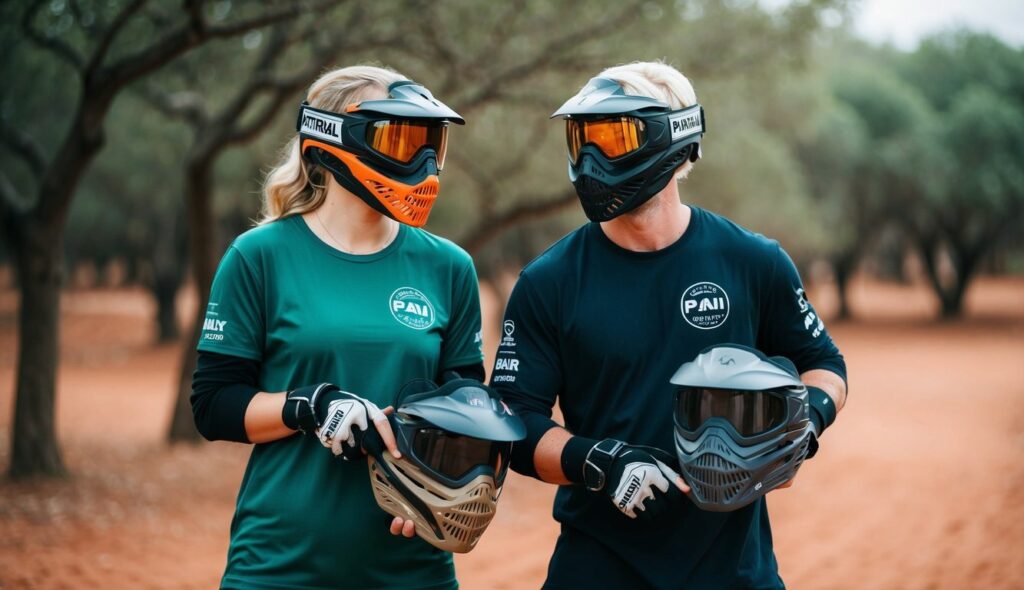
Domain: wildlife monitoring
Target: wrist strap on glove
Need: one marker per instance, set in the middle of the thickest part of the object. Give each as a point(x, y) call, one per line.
point(597, 466)
point(822, 415)
point(299, 412)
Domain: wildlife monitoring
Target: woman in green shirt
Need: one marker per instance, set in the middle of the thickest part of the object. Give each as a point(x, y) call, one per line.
point(337, 285)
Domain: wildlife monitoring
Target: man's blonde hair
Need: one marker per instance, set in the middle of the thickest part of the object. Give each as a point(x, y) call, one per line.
point(657, 80)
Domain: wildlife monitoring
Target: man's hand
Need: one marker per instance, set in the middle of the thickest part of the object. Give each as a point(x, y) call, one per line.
point(640, 485)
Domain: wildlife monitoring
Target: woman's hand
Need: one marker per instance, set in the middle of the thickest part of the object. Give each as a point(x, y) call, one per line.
point(383, 426)
point(400, 526)
point(346, 417)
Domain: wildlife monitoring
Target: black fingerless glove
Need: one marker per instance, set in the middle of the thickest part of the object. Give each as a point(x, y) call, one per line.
point(637, 479)
point(306, 407)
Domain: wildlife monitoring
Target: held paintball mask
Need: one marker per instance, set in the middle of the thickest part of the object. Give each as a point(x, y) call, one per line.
point(741, 425)
point(388, 152)
point(455, 441)
point(623, 149)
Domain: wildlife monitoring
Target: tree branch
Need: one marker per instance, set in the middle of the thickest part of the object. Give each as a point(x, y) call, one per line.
point(244, 133)
point(184, 105)
point(557, 52)
point(187, 36)
point(100, 53)
point(286, 13)
point(24, 146)
point(52, 44)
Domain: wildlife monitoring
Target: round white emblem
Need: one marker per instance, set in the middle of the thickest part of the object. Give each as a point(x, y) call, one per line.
point(412, 308)
point(705, 305)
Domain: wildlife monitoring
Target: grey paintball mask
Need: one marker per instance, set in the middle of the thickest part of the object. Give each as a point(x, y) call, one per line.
point(741, 425)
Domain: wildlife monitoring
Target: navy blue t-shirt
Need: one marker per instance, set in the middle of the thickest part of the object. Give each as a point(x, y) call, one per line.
point(601, 329)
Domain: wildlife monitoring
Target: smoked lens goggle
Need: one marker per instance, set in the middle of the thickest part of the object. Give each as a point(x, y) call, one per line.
point(455, 456)
point(615, 136)
point(749, 412)
point(401, 140)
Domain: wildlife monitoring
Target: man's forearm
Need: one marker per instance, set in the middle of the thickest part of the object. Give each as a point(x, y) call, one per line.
point(828, 382)
point(547, 457)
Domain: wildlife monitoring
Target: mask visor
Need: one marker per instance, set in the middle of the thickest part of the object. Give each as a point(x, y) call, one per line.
point(454, 456)
point(401, 140)
point(749, 412)
point(615, 137)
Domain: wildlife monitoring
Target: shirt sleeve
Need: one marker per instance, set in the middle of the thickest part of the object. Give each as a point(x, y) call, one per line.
point(527, 372)
point(790, 326)
point(235, 315)
point(463, 341)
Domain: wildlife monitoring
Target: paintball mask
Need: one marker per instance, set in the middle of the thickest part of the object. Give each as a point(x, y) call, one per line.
point(741, 425)
point(455, 441)
point(387, 152)
point(623, 149)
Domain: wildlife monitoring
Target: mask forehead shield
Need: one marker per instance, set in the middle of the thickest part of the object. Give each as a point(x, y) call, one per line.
point(736, 367)
point(602, 96)
point(467, 408)
point(409, 100)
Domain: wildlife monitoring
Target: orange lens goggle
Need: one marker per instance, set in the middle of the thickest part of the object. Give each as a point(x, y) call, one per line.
point(402, 140)
point(615, 137)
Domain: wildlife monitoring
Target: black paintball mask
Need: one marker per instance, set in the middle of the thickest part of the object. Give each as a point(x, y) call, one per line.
point(742, 425)
point(456, 442)
point(624, 149)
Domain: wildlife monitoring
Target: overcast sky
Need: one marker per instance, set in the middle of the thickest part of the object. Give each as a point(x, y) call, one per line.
point(904, 22)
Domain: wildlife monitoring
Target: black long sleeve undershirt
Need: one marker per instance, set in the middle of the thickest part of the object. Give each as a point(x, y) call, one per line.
point(223, 386)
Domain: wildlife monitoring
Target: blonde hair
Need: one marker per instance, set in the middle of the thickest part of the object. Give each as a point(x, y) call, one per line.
point(658, 80)
point(294, 186)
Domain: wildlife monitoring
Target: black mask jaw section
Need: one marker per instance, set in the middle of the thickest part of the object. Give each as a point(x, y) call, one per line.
point(604, 202)
point(341, 173)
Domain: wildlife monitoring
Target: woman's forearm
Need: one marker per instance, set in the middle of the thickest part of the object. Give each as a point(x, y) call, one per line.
point(263, 421)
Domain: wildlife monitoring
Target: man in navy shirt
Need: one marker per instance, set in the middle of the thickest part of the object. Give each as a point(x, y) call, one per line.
point(599, 323)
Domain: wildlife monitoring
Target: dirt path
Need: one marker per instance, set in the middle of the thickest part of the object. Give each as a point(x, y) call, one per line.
point(918, 485)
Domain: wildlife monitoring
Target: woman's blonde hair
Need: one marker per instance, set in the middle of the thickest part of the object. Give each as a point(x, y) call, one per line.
point(658, 80)
point(294, 186)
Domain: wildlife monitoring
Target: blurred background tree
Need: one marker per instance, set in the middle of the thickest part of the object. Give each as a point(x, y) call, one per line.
point(100, 48)
point(845, 152)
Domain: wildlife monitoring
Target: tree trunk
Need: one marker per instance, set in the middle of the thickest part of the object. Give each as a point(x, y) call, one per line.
point(165, 292)
point(168, 261)
point(38, 256)
point(201, 239)
point(842, 268)
point(37, 238)
point(967, 259)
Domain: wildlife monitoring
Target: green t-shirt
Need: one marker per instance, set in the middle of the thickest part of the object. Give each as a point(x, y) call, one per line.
point(368, 323)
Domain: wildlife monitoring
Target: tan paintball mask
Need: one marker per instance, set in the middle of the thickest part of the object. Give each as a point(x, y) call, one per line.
point(455, 441)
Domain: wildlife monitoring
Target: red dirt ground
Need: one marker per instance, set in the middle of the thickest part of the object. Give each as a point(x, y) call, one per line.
point(919, 485)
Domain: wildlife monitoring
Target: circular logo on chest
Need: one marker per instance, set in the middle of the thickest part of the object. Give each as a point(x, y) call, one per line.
point(704, 305)
point(412, 308)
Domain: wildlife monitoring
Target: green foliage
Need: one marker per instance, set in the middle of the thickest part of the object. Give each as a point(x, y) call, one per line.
point(814, 138)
